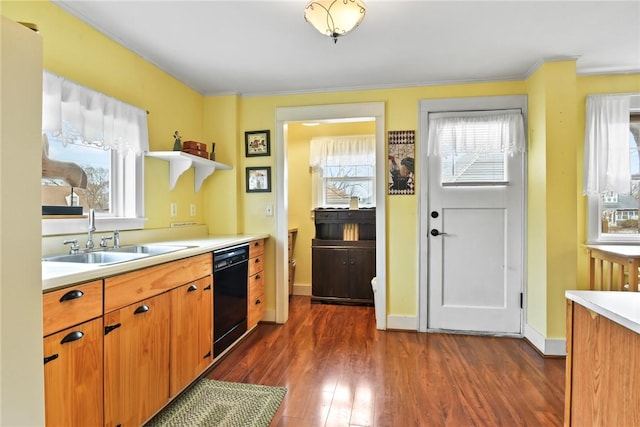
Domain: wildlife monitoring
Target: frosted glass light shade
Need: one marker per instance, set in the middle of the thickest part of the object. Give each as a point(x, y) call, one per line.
point(335, 18)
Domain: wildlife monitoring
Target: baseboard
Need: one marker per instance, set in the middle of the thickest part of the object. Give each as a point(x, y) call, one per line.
point(408, 323)
point(302, 289)
point(546, 346)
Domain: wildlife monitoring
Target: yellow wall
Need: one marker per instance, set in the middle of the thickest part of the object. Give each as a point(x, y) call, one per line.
point(300, 203)
point(78, 52)
point(536, 204)
point(556, 209)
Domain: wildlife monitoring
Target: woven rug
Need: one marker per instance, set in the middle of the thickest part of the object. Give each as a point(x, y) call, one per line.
point(211, 403)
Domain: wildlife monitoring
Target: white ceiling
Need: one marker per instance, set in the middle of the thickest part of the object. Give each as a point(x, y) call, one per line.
point(266, 47)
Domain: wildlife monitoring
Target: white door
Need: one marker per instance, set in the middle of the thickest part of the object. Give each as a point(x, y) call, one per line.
point(475, 246)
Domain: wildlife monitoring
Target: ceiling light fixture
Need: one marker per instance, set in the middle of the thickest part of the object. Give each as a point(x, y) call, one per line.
point(335, 18)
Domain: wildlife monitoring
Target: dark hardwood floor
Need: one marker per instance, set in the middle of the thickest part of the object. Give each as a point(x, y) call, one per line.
point(340, 371)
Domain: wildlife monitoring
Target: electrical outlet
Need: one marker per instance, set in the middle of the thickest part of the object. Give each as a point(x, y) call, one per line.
point(192, 209)
point(269, 210)
point(174, 209)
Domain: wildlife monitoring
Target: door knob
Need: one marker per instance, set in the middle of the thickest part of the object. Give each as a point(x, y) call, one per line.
point(435, 233)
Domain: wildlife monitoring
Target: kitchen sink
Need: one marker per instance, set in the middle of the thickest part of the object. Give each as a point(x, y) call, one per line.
point(148, 249)
point(102, 257)
point(115, 255)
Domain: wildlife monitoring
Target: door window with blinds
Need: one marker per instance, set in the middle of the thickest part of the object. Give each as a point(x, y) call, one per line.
point(474, 147)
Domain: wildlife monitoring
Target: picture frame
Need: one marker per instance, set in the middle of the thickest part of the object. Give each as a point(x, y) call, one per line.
point(257, 143)
point(258, 179)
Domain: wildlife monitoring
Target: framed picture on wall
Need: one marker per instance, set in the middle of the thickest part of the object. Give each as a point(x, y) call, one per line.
point(259, 179)
point(256, 143)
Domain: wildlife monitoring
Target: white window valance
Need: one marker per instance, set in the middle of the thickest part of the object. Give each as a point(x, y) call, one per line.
point(477, 132)
point(342, 151)
point(606, 145)
point(78, 115)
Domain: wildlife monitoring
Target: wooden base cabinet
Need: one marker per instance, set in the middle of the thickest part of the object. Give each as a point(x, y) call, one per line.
point(73, 353)
point(136, 361)
point(192, 332)
point(255, 292)
point(343, 273)
point(73, 376)
point(603, 371)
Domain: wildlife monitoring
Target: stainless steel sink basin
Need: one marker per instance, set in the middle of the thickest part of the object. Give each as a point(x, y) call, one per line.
point(102, 257)
point(148, 249)
point(115, 255)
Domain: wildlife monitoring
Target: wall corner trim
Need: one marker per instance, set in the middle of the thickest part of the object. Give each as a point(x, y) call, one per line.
point(547, 346)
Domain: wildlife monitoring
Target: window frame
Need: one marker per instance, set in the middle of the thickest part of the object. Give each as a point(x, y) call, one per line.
point(594, 226)
point(321, 200)
point(127, 201)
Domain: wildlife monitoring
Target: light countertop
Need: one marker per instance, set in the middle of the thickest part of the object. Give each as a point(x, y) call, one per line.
point(620, 307)
point(620, 250)
point(60, 274)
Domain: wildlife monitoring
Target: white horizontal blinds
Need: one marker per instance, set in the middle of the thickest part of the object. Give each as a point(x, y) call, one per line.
point(75, 114)
point(473, 146)
point(606, 145)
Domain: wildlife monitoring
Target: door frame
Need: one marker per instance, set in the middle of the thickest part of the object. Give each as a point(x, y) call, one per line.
point(460, 104)
point(325, 112)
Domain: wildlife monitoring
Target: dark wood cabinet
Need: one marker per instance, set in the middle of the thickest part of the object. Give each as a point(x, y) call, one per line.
point(343, 256)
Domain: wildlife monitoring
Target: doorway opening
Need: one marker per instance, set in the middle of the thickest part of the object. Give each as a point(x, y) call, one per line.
point(287, 115)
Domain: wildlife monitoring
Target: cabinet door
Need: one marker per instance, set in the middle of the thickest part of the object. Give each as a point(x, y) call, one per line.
point(136, 361)
point(191, 332)
point(330, 272)
point(362, 268)
point(73, 376)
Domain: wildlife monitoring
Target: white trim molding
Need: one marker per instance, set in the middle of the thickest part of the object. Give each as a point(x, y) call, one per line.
point(546, 346)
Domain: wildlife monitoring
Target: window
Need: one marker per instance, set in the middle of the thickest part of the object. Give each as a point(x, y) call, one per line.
point(612, 168)
point(473, 146)
point(343, 167)
point(92, 146)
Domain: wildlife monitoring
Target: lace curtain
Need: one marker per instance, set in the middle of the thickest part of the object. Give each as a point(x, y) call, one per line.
point(606, 145)
point(78, 115)
point(476, 132)
point(342, 151)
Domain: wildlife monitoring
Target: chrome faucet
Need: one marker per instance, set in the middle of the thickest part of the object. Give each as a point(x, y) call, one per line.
point(92, 228)
point(116, 239)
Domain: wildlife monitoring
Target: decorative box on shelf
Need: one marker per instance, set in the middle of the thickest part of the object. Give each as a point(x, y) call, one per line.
point(180, 161)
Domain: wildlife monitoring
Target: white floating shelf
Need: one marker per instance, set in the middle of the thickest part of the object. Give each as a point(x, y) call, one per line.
point(179, 162)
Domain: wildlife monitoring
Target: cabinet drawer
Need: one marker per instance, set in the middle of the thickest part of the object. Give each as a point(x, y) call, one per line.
point(256, 285)
point(256, 248)
point(71, 306)
point(323, 216)
point(129, 288)
point(255, 311)
point(256, 265)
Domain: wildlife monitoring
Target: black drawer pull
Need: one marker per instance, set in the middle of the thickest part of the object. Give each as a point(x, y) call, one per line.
point(141, 309)
point(50, 358)
point(71, 295)
point(258, 302)
point(73, 336)
point(257, 260)
point(207, 288)
point(110, 328)
point(207, 355)
point(257, 277)
point(256, 244)
point(192, 288)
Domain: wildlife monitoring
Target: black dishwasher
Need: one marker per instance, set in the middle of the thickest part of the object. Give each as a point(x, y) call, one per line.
point(230, 268)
